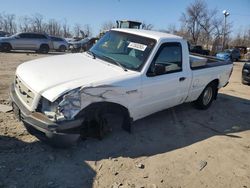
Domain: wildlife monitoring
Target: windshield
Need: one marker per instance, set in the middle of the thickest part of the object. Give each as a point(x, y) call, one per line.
point(131, 51)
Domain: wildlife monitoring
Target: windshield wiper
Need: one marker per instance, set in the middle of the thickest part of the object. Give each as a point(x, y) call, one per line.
point(116, 62)
point(91, 53)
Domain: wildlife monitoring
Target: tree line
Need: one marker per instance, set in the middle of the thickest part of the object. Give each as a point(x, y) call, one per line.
point(199, 25)
point(37, 23)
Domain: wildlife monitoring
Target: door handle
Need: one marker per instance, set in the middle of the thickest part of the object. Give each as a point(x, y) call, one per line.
point(182, 79)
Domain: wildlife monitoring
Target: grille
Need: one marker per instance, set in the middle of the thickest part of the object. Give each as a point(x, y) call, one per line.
point(24, 92)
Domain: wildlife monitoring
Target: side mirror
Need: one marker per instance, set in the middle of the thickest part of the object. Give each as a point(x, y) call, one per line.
point(17, 37)
point(159, 69)
point(156, 69)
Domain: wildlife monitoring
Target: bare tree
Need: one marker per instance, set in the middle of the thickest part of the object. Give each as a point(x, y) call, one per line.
point(147, 26)
point(1, 22)
point(203, 26)
point(193, 17)
point(107, 25)
point(37, 23)
point(54, 28)
point(8, 23)
point(172, 29)
point(77, 30)
point(87, 30)
point(66, 29)
point(242, 38)
point(25, 24)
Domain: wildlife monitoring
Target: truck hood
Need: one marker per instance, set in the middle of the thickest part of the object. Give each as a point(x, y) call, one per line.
point(53, 76)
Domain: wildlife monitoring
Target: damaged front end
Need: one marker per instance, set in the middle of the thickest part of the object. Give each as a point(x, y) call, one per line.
point(49, 121)
point(76, 113)
point(64, 108)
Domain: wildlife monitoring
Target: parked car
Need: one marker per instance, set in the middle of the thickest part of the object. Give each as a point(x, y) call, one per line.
point(133, 73)
point(229, 55)
point(59, 44)
point(26, 41)
point(4, 34)
point(198, 50)
point(76, 46)
point(246, 73)
point(82, 45)
point(242, 49)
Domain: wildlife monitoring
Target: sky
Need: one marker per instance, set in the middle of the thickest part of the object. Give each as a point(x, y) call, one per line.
point(160, 13)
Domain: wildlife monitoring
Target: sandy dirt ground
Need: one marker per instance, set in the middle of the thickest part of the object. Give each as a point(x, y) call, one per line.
point(179, 147)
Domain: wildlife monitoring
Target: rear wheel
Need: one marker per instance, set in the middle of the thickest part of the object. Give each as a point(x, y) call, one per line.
point(206, 98)
point(6, 47)
point(44, 49)
point(244, 82)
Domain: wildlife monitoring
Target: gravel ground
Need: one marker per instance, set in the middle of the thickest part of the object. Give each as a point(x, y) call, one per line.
point(178, 147)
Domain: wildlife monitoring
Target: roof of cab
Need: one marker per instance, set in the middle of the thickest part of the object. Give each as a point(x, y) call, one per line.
point(149, 33)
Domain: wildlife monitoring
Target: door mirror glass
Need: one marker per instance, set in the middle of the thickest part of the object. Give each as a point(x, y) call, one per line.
point(159, 69)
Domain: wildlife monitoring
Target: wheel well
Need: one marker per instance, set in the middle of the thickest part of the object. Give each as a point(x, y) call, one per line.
point(106, 107)
point(94, 111)
point(216, 84)
point(7, 44)
point(44, 45)
point(62, 45)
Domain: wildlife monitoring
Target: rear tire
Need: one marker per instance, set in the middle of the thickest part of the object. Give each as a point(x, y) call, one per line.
point(6, 47)
point(244, 82)
point(44, 49)
point(206, 98)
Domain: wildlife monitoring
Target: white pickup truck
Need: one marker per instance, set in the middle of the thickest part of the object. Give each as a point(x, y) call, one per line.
point(129, 72)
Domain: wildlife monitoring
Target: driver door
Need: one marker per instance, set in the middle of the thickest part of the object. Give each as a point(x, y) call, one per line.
point(169, 88)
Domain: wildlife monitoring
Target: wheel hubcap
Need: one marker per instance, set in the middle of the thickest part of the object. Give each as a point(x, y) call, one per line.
point(207, 95)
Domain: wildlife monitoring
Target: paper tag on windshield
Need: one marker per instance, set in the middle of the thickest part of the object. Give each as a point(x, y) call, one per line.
point(137, 46)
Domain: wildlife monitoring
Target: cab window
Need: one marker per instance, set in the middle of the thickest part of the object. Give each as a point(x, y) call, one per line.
point(169, 57)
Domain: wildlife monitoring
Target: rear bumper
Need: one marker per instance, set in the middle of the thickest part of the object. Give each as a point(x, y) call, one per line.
point(42, 127)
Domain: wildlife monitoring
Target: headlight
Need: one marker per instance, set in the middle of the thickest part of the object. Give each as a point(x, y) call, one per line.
point(64, 108)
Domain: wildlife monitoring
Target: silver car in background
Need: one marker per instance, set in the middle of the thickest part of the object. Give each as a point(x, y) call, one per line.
point(38, 42)
point(59, 44)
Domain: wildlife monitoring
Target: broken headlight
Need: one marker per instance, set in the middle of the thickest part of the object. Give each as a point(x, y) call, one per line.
point(64, 108)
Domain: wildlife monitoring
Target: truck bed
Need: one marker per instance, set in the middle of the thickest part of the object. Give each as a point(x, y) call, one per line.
point(210, 62)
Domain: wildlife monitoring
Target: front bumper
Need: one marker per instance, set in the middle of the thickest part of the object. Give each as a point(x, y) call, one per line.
point(37, 124)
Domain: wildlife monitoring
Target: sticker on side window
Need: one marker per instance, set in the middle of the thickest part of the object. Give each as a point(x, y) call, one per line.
point(137, 46)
